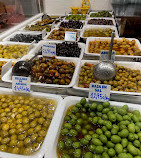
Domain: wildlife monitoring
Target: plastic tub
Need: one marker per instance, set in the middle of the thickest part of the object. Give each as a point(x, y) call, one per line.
point(74, 10)
point(39, 45)
point(83, 21)
point(13, 43)
point(8, 76)
point(21, 32)
point(108, 38)
point(98, 27)
point(77, 14)
point(46, 37)
point(59, 117)
point(131, 65)
point(47, 142)
point(114, 23)
point(111, 12)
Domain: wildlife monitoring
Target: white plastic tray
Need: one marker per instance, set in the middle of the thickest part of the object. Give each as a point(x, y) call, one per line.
point(109, 38)
point(47, 142)
point(20, 32)
point(83, 21)
point(111, 12)
point(39, 45)
point(8, 76)
point(77, 14)
point(33, 23)
point(13, 43)
point(59, 117)
point(114, 23)
point(131, 65)
point(46, 37)
point(98, 27)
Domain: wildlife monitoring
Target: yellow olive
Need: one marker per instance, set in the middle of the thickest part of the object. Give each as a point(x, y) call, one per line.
point(3, 147)
point(21, 136)
point(15, 150)
point(20, 144)
point(5, 127)
point(13, 143)
point(27, 141)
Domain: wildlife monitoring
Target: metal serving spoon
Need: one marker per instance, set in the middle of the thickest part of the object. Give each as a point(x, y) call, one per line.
point(106, 70)
point(23, 68)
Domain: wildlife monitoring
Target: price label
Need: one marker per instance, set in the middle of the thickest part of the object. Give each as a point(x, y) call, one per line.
point(70, 36)
point(21, 84)
point(49, 50)
point(104, 55)
point(43, 33)
point(99, 92)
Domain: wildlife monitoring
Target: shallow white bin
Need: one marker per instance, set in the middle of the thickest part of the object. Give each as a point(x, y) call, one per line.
point(114, 23)
point(59, 117)
point(111, 12)
point(13, 43)
point(8, 76)
point(108, 39)
point(47, 142)
point(98, 27)
point(39, 45)
point(46, 37)
point(132, 65)
point(21, 32)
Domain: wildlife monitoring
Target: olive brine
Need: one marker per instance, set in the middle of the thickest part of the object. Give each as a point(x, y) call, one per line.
point(99, 130)
point(24, 122)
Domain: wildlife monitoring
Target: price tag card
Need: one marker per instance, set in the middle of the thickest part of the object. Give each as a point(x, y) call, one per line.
point(21, 84)
point(99, 92)
point(43, 33)
point(104, 55)
point(70, 36)
point(49, 50)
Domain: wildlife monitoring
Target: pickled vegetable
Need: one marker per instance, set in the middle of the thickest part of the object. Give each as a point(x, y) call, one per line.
point(15, 51)
point(52, 71)
point(101, 14)
point(126, 79)
point(100, 22)
point(75, 24)
point(38, 27)
point(45, 21)
point(59, 34)
point(24, 123)
point(76, 17)
point(87, 134)
point(122, 47)
point(93, 32)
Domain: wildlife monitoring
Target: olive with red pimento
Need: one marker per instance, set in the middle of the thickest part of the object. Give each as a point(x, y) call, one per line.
point(52, 71)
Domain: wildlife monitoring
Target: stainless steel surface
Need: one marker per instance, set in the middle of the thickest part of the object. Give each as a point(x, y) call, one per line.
point(106, 70)
point(111, 46)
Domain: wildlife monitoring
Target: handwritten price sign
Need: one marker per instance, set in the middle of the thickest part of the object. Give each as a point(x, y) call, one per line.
point(21, 84)
point(49, 50)
point(70, 36)
point(104, 55)
point(99, 92)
